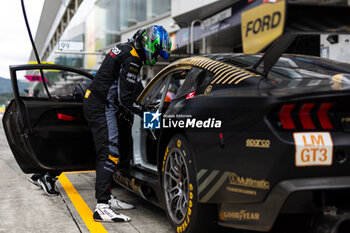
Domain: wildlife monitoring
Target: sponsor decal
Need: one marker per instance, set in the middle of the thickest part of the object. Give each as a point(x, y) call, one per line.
point(132, 69)
point(241, 215)
point(261, 143)
point(130, 80)
point(151, 120)
point(345, 119)
point(234, 179)
point(261, 25)
point(187, 220)
point(114, 51)
point(131, 77)
point(240, 190)
point(313, 149)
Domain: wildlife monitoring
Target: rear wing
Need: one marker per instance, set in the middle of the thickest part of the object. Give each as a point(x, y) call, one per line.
point(278, 22)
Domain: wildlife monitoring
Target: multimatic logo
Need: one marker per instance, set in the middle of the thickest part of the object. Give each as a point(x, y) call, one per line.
point(151, 120)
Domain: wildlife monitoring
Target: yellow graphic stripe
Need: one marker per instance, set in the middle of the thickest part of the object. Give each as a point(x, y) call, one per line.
point(215, 68)
point(235, 76)
point(204, 63)
point(234, 79)
point(114, 159)
point(80, 205)
point(231, 74)
point(219, 73)
point(134, 53)
point(222, 71)
point(241, 79)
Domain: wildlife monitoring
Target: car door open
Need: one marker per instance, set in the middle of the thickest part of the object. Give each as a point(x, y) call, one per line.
point(49, 134)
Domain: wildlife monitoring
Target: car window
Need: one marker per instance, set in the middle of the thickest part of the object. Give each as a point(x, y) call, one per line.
point(196, 79)
point(61, 84)
point(172, 83)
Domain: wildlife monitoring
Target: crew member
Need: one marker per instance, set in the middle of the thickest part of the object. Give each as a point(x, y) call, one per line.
point(115, 89)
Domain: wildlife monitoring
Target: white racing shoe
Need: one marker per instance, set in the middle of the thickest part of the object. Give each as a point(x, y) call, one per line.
point(119, 205)
point(104, 213)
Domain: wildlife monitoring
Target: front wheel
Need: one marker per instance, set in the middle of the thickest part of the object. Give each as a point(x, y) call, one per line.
point(180, 188)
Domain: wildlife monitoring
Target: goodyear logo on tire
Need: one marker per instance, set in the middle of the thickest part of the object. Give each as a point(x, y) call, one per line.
point(262, 25)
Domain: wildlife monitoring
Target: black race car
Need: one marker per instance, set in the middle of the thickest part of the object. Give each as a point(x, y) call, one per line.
point(219, 138)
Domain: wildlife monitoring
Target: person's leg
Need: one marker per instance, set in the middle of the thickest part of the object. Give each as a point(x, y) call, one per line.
point(105, 135)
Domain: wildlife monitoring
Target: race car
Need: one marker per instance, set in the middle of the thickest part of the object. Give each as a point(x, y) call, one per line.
point(235, 139)
point(218, 138)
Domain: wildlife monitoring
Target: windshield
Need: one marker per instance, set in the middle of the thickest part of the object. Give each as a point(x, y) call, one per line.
point(297, 67)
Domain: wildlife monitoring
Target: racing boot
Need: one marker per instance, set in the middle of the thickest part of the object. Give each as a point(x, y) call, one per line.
point(47, 182)
point(34, 180)
point(119, 205)
point(104, 213)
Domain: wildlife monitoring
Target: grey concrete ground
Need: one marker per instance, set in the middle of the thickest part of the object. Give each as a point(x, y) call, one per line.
point(26, 209)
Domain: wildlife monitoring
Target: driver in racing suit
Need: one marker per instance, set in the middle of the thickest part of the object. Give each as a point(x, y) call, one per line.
point(114, 90)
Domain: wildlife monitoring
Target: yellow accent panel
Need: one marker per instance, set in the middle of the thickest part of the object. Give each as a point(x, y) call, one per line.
point(114, 159)
point(87, 93)
point(134, 53)
point(80, 205)
point(337, 78)
point(261, 25)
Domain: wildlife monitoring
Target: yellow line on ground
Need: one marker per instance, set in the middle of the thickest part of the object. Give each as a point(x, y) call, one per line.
point(79, 172)
point(80, 205)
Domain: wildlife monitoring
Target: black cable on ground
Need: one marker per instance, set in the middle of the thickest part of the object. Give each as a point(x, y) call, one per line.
point(34, 47)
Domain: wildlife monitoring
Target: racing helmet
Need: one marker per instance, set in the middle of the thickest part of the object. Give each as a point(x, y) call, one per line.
point(156, 42)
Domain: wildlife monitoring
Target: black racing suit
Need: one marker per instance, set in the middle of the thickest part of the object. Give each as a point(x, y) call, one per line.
point(115, 87)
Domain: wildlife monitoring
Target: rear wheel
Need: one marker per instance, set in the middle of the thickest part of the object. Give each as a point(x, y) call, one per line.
point(180, 188)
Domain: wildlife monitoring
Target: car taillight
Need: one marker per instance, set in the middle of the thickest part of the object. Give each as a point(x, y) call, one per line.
point(323, 117)
point(286, 117)
point(305, 116)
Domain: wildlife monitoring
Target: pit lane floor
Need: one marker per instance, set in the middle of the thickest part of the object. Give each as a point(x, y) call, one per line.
point(24, 208)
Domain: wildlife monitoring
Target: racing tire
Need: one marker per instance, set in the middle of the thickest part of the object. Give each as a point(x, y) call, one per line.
point(180, 189)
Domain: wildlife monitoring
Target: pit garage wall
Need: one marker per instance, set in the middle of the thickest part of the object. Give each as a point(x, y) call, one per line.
point(337, 50)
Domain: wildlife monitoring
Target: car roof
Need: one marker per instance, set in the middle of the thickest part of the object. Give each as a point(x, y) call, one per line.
point(223, 73)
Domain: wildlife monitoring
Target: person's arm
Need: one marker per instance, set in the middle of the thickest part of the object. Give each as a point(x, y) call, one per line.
point(129, 85)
